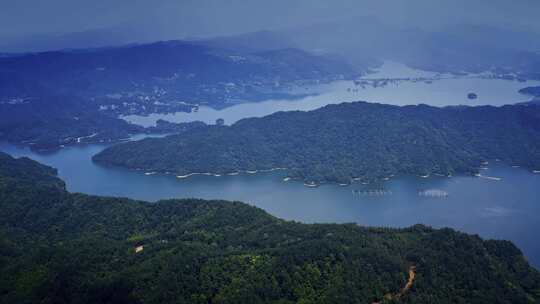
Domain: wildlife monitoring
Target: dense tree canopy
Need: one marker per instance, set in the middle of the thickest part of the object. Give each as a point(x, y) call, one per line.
point(339, 143)
point(58, 247)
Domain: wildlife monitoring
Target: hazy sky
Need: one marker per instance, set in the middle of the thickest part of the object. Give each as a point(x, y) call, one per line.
point(181, 18)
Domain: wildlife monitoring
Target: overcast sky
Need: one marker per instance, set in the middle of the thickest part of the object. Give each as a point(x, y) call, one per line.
point(185, 18)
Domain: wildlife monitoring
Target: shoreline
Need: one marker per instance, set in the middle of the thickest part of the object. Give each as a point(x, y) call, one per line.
point(309, 184)
point(488, 177)
point(224, 174)
point(341, 183)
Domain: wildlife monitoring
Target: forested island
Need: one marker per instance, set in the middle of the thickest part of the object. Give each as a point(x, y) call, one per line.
point(346, 142)
point(531, 91)
point(61, 247)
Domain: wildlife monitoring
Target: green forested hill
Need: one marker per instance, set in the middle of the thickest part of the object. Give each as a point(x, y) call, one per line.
point(58, 247)
point(338, 143)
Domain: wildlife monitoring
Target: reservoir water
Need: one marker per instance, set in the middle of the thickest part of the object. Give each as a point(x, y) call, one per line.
point(502, 209)
point(393, 83)
point(508, 208)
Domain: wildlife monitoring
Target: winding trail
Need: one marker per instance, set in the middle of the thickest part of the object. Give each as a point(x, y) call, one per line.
point(404, 290)
point(412, 276)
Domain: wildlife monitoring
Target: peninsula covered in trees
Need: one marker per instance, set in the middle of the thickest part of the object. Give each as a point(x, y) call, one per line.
point(61, 247)
point(531, 91)
point(345, 142)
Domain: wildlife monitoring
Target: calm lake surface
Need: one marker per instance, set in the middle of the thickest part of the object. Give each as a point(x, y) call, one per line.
point(393, 83)
point(506, 209)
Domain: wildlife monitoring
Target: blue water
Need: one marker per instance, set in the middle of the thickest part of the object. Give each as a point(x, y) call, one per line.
point(402, 88)
point(506, 209)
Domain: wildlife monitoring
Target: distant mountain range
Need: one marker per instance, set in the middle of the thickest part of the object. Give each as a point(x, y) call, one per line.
point(366, 41)
point(94, 38)
point(164, 76)
point(345, 142)
point(362, 41)
point(59, 97)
